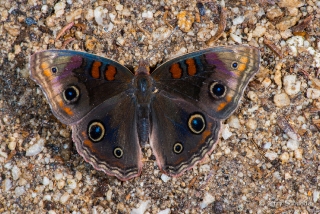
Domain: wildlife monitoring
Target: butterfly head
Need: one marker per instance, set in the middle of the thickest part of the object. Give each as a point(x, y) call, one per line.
point(143, 67)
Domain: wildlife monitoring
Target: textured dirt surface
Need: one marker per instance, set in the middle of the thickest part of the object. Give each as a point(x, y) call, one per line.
point(268, 158)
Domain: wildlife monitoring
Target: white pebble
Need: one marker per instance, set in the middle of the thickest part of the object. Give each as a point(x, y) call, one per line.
point(291, 86)
point(204, 168)
point(19, 191)
point(12, 145)
point(119, 7)
point(58, 175)
point(59, 8)
point(295, 42)
point(292, 144)
point(281, 100)
point(267, 145)
point(166, 211)
point(161, 33)
point(252, 96)
point(16, 173)
point(298, 154)
point(72, 184)
point(61, 184)
point(225, 133)
point(236, 38)
point(313, 93)
point(266, 82)
point(99, 15)
point(234, 122)
point(36, 148)
point(147, 14)
point(64, 198)
point(315, 196)
point(208, 199)
point(109, 195)
point(271, 155)
point(7, 184)
point(165, 178)
point(141, 209)
point(238, 20)
point(45, 181)
point(47, 197)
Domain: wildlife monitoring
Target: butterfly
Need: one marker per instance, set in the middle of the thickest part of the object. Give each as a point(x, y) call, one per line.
point(178, 108)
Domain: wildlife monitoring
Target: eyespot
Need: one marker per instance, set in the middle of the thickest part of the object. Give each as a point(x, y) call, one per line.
point(96, 131)
point(234, 65)
point(177, 148)
point(54, 69)
point(217, 90)
point(71, 94)
point(118, 152)
point(196, 123)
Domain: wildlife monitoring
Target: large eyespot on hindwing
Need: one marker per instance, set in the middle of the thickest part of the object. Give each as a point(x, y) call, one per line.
point(234, 65)
point(217, 90)
point(71, 94)
point(96, 131)
point(177, 148)
point(196, 123)
point(118, 152)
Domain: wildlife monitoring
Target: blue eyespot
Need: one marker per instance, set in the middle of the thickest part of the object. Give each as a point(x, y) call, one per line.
point(118, 152)
point(71, 94)
point(217, 90)
point(234, 65)
point(54, 69)
point(96, 131)
point(196, 123)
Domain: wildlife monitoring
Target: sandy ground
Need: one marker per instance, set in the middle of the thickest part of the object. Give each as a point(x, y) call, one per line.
point(268, 158)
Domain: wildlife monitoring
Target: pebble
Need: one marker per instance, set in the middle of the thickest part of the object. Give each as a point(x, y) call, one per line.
point(119, 7)
point(165, 178)
point(109, 195)
point(290, 3)
point(45, 181)
point(89, 15)
point(147, 14)
point(7, 184)
point(225, 132)
point(72, 183)
point(208, 199)
point(61, 184)
point(47, 197)
point(64, 133)
point(252, 96)
point(161, 33)
point(313, 93)
point(36, 148)
point(236, 38)
point(30, 21)
point(298, 154)
point(142, 208)
point(64, 198)
point(267, 145)
point(266, 82)
point(271, 155)
point(166, 211)
point(291, 86)
point(185, 20)
point(315, 196)
point(19, 191)
point(274, 12)
point(293, 144)
point(284, 157)
point(286, 23)
point(77, 14)
point(251, 124)
point(99, 15)
point(203, 34)
point(277, 78)
point(234, 122)
point(59, 8)
point(238, 20)
point(259, 31)
point(12, 145)
point(13, 30)
point(281, 100)
point(295, 42)
point(16, 173)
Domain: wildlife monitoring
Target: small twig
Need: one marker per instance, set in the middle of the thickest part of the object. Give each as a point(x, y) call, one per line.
point(274, 48)
point(64, 29)
point(165, 16)
point(221, 27)
point(66, 42)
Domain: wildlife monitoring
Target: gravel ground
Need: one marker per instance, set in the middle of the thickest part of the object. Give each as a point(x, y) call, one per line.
point(267, 160)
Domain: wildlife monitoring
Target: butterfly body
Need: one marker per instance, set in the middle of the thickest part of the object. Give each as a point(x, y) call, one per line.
point(178, 108)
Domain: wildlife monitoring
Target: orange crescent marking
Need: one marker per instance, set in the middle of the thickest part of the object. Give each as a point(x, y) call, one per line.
point(206, 134)
point(110, 72)
point(176, 71)
point(244, 60)
point(44, 65)
point(88, 144)
point(192, 70)
point(47, 72)
point(229, 98)
point(66, 109)
point(221, 106)
point(242, 67)
point(95, 72)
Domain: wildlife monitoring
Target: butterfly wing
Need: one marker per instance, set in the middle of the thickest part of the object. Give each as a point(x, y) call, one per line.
point(200, 89)
point(76, 82)
point(93, 94)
